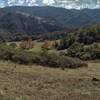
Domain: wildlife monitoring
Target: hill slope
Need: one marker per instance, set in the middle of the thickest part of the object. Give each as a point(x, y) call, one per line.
point(15, 25)
point(68, 18)
point(16, 22)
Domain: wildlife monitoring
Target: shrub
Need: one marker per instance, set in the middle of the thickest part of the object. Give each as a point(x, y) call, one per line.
point(89, 52)
point(75, 50)
point(6, 52)
point(56, 60)
point(13, 45)
point(44, 58)
point(22, 57)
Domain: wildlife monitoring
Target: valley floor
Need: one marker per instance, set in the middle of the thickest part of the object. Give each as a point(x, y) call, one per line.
point(20, 82)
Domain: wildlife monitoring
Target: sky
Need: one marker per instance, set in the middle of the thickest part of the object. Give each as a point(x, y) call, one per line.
point(1, 2)
point(59, 3)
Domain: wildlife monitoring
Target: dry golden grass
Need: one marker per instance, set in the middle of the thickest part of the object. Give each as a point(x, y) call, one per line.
point(20, 82)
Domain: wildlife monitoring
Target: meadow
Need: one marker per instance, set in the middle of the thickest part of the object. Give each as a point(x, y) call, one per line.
point(38, 82)
point(32, 82)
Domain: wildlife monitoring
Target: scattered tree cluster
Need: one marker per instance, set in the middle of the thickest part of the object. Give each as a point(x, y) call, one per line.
point(44, 58)
point(84, 52)
point(89, 35)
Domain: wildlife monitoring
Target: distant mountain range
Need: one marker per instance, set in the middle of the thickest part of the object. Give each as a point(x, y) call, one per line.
point(60, 16)
point(36, 21)
point(69, 4)
point(15, 24)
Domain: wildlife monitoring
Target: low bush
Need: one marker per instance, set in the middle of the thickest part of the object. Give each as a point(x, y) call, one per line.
point(6, 52)
point(56, 60)
point(22, 57)
point(43, 58)
point(13, 45)
point(84, 52)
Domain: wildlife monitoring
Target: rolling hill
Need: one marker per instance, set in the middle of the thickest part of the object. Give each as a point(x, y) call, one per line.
point(18, 21)
point(68, 18)
point(15, 25)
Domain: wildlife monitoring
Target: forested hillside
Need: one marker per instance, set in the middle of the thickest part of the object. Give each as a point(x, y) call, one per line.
point(40, 22)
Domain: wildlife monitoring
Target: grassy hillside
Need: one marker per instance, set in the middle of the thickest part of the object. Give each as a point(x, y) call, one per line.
point(20, 82)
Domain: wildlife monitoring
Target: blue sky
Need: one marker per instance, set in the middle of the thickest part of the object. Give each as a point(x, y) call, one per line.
point(1, 1)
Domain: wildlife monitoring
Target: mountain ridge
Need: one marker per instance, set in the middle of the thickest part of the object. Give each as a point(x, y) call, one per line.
point(42, 21)
point(61, 16)
point(15, 25)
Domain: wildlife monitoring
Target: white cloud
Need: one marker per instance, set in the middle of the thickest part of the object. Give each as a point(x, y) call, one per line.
point(48, 2)
point(58, 3)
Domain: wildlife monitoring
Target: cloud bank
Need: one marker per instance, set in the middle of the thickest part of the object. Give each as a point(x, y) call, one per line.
point(69, 4)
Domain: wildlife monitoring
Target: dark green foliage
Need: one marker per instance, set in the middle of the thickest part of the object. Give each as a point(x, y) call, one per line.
point(89, 35)
point(22, 57)
point(75, 50)
point(6, 52)
point(63, 44)
point(13, 45)
point(56, 60)
point(44, 58)
point(66, 42)
point(84, 52)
